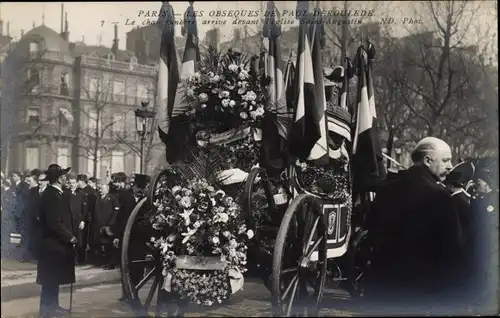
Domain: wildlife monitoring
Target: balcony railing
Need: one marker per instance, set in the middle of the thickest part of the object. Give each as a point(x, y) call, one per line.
point(51, 56)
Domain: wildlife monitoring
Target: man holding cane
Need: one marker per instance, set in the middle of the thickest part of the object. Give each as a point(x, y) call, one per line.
point(56, 264)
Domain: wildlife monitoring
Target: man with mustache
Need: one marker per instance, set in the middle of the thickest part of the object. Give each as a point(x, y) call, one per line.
point(415, 232)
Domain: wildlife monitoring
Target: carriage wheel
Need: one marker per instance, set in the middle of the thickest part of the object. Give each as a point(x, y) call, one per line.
point(257, 192)
point(297, 281)
point(140, 257)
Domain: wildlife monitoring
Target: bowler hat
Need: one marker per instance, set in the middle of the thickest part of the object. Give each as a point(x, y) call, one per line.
point(55, 171)
point(141, 180)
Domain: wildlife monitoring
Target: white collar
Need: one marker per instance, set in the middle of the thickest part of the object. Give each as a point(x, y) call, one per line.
point(57, 187)
point(17, 182)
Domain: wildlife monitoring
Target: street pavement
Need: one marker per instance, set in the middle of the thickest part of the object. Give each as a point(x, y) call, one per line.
point(102, 301)
point(96, 294)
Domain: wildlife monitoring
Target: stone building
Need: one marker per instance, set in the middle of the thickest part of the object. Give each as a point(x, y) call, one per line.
point(71, 103)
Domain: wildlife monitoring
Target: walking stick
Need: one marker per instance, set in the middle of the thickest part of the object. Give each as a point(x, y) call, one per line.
point(71, 299)
point(71, 288)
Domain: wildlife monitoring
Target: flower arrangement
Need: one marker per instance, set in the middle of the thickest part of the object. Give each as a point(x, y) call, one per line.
point(329, 181)
point(198, 220)
point(226, 93)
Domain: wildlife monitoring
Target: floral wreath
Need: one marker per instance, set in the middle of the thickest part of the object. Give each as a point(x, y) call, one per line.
point(201, 223)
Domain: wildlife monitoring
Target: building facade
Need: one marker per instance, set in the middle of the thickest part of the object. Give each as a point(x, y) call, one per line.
point(73, 104)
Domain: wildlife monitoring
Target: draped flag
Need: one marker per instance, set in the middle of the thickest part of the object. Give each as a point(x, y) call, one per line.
point(178, 130)
point(290, 84)
point(319, 153)
point(367, 156)
point(306, 139)
point(168, 73)
point(276, 122)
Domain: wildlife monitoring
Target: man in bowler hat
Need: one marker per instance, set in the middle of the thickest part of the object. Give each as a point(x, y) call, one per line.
point(130, 199)
point(56, 264)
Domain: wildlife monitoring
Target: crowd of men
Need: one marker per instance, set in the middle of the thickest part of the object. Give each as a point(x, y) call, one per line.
point(100, 210)
point(66, 219)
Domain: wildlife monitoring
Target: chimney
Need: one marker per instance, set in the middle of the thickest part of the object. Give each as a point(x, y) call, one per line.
point(62, 17)
point(8, 28)
point(66, 29)
point(114, 48)
point(237, 34)
point(22, 32)
point(1, 26)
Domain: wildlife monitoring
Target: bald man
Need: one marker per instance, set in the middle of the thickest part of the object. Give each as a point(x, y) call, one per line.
point(416, 235)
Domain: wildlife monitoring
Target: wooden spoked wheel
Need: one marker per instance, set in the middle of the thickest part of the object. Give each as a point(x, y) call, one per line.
point(258, 199)
point(297, 280)
point(141, 262)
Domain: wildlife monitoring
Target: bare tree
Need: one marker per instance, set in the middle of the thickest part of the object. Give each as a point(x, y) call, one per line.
point(106, 123)
point(442, 74)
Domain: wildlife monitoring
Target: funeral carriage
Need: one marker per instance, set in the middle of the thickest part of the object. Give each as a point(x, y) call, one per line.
point(214, 212)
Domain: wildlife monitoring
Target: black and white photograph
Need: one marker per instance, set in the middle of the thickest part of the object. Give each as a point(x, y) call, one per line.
point(249, 159)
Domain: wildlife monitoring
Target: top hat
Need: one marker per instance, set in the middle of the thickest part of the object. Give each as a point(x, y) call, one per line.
point(141, 180)
point(55, 171)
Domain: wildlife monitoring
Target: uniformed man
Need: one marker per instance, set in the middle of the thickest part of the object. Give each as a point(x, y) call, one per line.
point(415, 233)
point(484, 209)
point(126, 207)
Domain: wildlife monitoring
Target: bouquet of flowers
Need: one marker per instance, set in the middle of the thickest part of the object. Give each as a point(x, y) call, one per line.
point(226, 92)
point(200, 221)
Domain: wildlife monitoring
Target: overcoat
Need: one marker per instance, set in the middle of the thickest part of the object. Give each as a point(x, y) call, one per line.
point(484, 239)
point(34, 236)
point(77, 202)
point(106, 211)
point(127, 204)
point(90, 197)
point(416, 237)
point(56, 263)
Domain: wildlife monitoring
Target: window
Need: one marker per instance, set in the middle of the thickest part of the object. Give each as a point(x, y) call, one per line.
point(118, 91)
point(32, 158)
point(90, 164)
point(117, 161)
point(63, 157)
point(33, 47)
point(33, 116)
point(92, 122)
point(142, 91)
point(137, 165)
point(64, 87)
point(118, 124)
point(94, 87)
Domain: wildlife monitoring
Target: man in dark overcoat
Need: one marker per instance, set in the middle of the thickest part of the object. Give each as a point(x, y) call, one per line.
point(35, 202)
point(106, 211)
point(129, 200)
point(56, 263)
point(77, 201)
point(415, 234)
point(90, 197)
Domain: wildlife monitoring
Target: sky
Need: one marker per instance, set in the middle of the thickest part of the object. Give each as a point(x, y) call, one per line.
point(92, 21)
